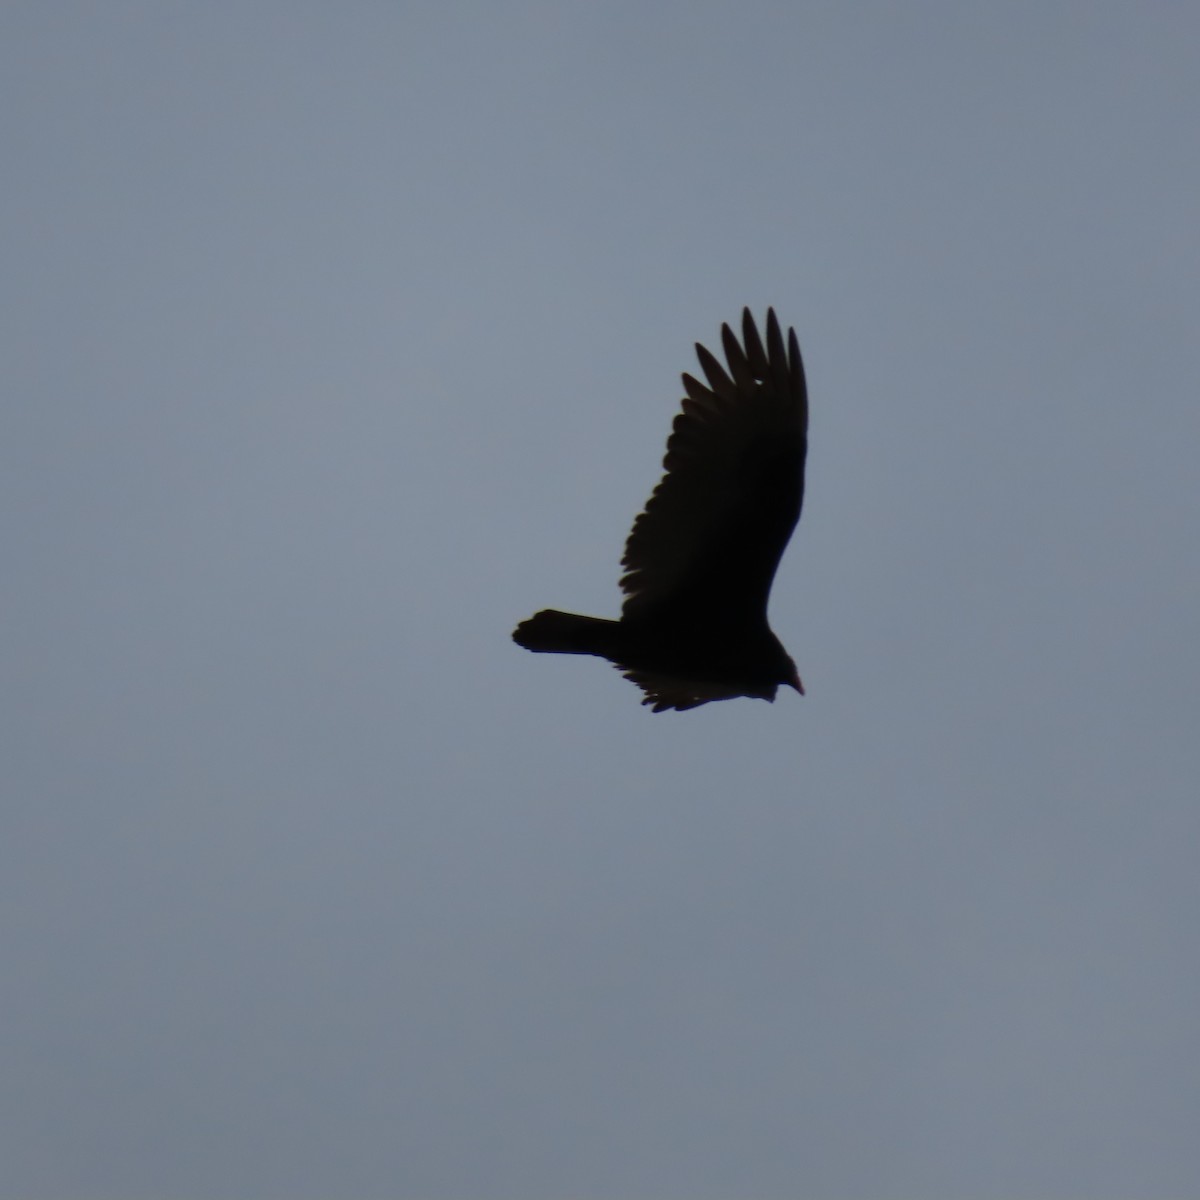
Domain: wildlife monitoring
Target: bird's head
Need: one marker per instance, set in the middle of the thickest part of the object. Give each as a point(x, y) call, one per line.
point(792, 678)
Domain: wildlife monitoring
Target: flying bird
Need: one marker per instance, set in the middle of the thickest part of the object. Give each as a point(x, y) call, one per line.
point(701, 557)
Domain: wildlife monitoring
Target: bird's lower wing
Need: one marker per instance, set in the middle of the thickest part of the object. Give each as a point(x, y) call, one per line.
point(666, 692)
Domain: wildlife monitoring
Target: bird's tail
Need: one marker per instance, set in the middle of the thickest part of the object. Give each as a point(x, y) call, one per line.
point(553, 632)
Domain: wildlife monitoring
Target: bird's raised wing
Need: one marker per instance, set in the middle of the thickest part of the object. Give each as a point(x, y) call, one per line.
point(707, 544)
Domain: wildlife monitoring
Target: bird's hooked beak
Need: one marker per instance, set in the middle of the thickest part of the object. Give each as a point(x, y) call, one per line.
point(794, 681)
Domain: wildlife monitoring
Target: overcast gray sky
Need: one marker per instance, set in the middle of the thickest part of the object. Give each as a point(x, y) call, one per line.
point(340, 337)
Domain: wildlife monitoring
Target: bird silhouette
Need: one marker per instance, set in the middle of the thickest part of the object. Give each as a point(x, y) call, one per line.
point(702, 555)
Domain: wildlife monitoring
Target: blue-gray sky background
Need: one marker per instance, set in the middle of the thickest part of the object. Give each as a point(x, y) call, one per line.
point(337, 339)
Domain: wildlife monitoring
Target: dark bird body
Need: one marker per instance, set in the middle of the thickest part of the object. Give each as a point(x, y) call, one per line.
point(702, 555)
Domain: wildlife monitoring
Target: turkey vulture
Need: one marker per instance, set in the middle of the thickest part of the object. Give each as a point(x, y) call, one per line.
point(701, 556)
